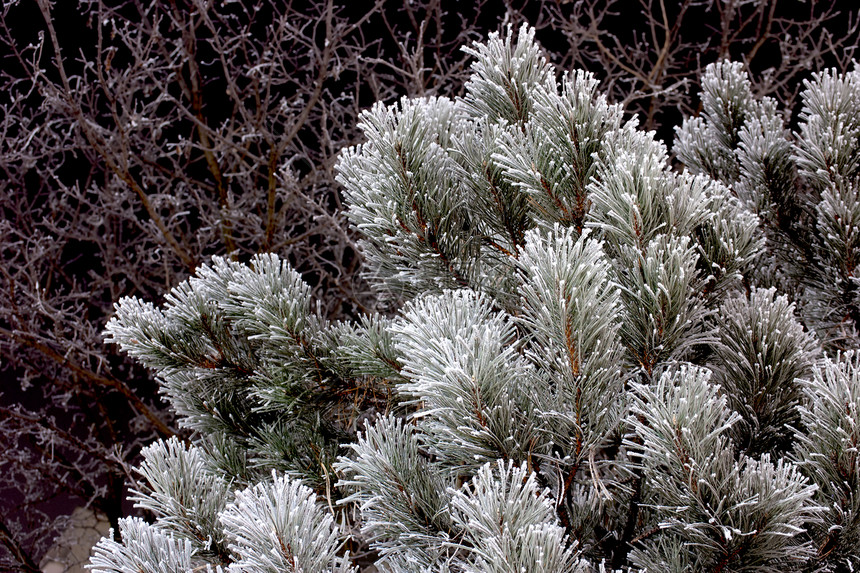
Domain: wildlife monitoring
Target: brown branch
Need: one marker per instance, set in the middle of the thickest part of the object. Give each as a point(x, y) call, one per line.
point(727, 558)
point(91, 376)
point(24, 560)
point(124, 175)
point(196, 98)
point(61, 433)
point(762, 36)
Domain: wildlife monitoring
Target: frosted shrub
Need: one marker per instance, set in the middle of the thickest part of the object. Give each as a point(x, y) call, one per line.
point(580, 372)
point(803, 186)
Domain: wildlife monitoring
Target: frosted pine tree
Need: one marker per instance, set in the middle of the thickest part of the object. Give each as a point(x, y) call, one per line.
point(804, 187)
point(582, 370)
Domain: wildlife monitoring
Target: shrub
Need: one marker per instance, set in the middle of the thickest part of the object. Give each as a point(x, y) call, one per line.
point(589, 368)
